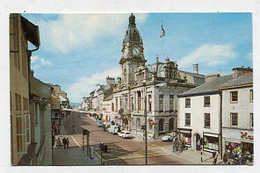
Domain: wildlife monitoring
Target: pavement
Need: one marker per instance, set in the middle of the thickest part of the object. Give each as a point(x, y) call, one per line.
point(192, 156)
point(74, 155)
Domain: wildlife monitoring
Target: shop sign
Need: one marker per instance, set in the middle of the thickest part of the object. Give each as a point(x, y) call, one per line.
point(245, 135)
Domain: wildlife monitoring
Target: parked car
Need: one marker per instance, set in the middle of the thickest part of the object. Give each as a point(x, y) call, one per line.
point(99, 123)
point(125, 134)
point(169, 137)
point(114, 129)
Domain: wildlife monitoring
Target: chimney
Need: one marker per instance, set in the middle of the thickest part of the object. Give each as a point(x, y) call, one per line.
point(196, 68)
point(211, 77)
point(241, 71)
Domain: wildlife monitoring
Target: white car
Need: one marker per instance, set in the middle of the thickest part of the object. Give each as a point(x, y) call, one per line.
point(169, 137)
point(125, 134)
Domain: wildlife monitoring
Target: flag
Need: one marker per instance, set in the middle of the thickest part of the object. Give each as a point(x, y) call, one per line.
point(163, 32)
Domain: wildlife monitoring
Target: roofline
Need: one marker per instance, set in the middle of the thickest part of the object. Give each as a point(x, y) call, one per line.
point(237, 86)
point(199, 94)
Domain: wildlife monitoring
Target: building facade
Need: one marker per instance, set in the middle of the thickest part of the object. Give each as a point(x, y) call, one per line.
point(237, 113)
point(200, 114)
point(40, 111)
point(21, 31)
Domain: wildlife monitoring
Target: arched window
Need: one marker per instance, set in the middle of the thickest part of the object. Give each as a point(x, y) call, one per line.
point(125, 76)
point(161, 124)
point(171, 125)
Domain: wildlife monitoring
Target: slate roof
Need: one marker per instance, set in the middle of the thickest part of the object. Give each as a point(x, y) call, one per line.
point(208, 87)
point(241, 80)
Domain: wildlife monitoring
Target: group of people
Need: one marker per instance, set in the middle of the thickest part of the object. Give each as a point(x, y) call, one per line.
point(56, 129)
point(179, 145)
point(64, 142)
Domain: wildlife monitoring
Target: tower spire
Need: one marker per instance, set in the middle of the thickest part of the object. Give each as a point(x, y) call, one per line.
point(132, 20)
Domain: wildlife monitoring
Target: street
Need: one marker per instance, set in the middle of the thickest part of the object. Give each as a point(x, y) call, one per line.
point(122, 151)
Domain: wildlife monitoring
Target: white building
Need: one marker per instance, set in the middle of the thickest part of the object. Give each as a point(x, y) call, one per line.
point(237, 113)
point(200, 112)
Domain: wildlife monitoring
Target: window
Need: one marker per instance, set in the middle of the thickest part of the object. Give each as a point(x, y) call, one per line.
point(251, 95)
point(126, 102)
point(161, 103)
point(19, 131)
point(171, 103)
point(161, 125)
point(187, 119)
point(112, 107)
point(116, 104)
point(132, 103)
point(25, 104)
point(251, 120)
point(207, 101)
point(149, 103)
point(233, 96)
point(187, 103)
point(207, 120)
point(18, 105)
point(139, 100)
point(171, 125)
point(234, 119)
point(27, 129)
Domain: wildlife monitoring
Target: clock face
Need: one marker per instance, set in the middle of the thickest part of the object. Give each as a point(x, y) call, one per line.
point(135, 51)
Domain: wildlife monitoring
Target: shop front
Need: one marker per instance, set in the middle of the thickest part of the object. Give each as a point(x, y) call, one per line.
point(186, 135)
point(238, 143)
point(211, 142)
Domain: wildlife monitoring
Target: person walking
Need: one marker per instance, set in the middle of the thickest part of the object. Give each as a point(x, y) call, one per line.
point(225, 158)
point(64, 142)
point(215, 158)
point(67, 142)
point(58, 143)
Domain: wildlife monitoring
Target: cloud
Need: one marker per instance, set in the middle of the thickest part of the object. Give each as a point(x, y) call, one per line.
point(209, 55)
point(72, 31)
point(37, 62)
point(86, 84)
point(250, 56)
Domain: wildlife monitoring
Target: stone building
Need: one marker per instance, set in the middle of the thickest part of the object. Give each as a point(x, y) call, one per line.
point(159, 83)
point(40, 111)
point(21, 31)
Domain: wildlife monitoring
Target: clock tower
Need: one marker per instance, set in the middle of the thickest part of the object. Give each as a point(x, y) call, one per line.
point(132, 52)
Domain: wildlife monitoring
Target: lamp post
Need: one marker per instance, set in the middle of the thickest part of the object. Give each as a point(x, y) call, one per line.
point(145, 119)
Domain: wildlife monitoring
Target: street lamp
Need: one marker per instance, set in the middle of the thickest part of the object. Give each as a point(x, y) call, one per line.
point(145, 119)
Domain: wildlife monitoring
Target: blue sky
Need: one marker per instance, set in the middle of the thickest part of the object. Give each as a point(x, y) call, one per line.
point(79, 50)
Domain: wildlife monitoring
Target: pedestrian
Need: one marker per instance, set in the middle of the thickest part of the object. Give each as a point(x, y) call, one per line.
point(73, 128)
point(215, 158)
point(175, 145)
point(225, 158)
point(55, 130)
point(58, 144)
point(67, 142)
point(64, 142)
point(58, 129)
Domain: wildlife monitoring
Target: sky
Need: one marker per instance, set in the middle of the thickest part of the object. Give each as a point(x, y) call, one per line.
point(79, 51)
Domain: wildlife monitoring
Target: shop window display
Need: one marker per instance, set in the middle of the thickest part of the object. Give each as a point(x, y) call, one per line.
point(233, 149)
point(211, 143)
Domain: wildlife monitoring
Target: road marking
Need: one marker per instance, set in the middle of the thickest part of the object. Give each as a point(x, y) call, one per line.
point(75, 141)
point(138, 156)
